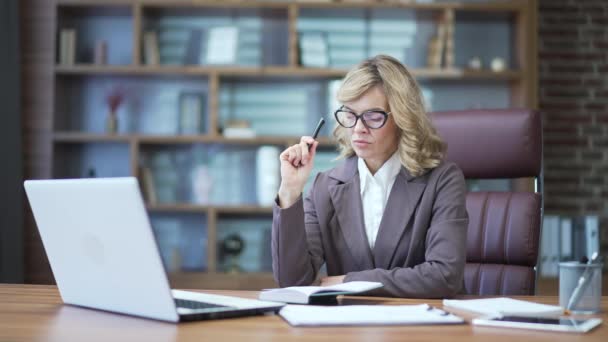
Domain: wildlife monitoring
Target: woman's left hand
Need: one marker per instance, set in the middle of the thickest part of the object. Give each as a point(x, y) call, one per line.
point(328, 281)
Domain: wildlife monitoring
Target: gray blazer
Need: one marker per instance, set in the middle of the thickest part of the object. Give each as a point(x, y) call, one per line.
point(420, 250)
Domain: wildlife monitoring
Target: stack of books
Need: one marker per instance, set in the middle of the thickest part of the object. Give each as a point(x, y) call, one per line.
point(441, 46)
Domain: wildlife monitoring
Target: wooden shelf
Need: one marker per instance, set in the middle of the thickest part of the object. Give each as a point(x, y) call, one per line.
point(212, 78)
point(193, 208)
point(78, 137)
point(502, 6)
point(224, 281)
point(424, 73)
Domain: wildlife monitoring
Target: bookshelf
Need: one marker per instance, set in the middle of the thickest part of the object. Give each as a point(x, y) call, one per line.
point(266, 85)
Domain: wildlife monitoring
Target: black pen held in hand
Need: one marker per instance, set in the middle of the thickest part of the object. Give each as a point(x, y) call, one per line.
point(316, 133)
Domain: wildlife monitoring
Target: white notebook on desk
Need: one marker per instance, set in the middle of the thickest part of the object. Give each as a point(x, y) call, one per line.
point(503, 306)
point(311, 315)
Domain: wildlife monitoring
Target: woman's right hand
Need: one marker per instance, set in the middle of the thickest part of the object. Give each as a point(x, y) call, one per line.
point(296, 165)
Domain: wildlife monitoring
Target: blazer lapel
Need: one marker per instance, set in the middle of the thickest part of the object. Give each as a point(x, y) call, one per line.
point(346, 199)
point(401, 204)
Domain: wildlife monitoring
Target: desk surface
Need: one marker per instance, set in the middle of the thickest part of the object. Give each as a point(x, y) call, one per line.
point(29, 312)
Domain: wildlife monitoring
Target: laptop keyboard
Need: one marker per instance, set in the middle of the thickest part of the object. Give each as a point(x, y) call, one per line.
point(195, 305)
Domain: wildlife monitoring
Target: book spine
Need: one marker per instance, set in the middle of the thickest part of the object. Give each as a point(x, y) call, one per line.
point(449, 39)
point(63, 47)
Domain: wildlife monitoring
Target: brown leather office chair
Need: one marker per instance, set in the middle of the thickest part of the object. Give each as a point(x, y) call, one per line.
point(504, 227)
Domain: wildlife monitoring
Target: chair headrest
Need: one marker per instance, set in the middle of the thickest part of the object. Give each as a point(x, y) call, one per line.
point(497, 143)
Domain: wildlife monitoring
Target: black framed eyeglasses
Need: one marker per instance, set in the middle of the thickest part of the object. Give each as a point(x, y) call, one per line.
point(373, 119)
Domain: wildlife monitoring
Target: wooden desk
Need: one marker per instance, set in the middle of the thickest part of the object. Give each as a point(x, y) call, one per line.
point(30, 312)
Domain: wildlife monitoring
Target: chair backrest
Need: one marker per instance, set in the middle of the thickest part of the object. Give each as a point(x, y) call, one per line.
point(504, 227)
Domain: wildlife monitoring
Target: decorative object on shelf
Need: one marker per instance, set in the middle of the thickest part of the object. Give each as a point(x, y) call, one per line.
point(151, 51)
point(191, 110)
point(497, 64)
point(91, 173)
point(202, 184)
point(238, 129)
point(67, 47)
point(475, 63)
point(314, 51)
point(267, 172)
point(231, 247)
point(114, 100)
point(101, 52)
point(222, 45)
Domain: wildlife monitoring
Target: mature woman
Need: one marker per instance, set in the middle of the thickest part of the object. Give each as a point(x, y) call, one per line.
point(393, 211)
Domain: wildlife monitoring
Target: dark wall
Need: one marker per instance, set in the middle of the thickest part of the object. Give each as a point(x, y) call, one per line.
point(573, 64)
point(11, 196)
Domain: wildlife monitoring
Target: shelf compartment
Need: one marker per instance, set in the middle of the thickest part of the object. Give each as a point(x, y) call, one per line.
point(151, 105)
point(210, 174)
point(485, 36)
point(277, 107)
point(184, 35)
point(182, 240)
point(92, 24)
point(243, 244)
point(94, 159)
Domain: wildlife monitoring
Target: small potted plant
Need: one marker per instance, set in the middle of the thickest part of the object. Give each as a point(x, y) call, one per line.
point(114, 99)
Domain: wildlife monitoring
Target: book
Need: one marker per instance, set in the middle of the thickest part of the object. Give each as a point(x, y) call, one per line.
point(316, 294)
point(151, 51)
point(449, 39)
point(67, 46)
point(194, 45)
point(307, 315)
point(436, 46)
point(503, 306)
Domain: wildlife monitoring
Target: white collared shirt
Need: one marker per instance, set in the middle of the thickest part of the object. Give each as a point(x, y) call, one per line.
point(375, 191)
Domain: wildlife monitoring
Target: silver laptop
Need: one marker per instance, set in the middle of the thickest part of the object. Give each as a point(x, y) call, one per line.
point(102, 251)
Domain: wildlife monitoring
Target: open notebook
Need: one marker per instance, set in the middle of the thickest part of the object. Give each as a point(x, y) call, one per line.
point(309, 315)
point(317, 294)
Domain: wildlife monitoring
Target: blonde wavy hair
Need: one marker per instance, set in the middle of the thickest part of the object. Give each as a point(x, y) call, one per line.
point(420, 147)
